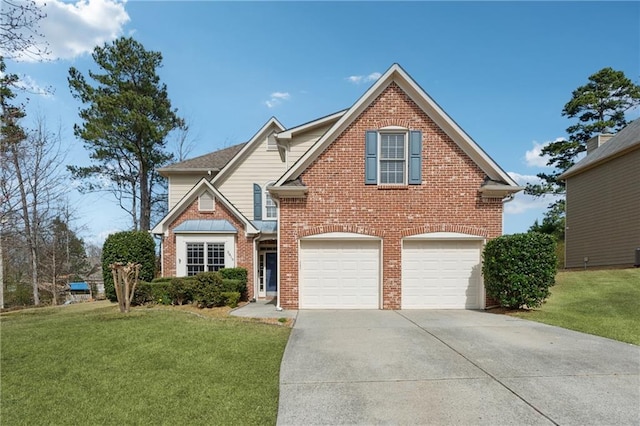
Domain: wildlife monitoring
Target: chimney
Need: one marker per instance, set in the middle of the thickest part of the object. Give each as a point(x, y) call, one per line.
point(597, 141)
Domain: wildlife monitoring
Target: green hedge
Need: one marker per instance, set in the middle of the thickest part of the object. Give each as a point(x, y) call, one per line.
point(519, 269)
point(239, 274)
point(129, 246)
point(153, 292)
point(206, 290)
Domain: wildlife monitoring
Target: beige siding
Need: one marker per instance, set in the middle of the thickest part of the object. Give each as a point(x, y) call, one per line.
point(603, 214)
point(179, 185)
point(262, 166)
point(301, 143)
point(259, 166)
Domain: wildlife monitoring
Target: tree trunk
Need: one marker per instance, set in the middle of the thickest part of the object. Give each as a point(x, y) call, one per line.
point(27, 224)
point(54, 274)
point(145, 198)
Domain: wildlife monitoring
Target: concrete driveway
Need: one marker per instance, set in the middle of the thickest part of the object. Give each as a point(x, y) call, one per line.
point(452, 367)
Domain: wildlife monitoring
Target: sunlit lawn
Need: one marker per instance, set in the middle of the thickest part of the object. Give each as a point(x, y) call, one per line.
point(605, 303)
point(85, 364)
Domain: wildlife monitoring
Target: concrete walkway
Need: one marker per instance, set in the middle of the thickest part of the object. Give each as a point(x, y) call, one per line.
point(453, 367)
point(263, 309)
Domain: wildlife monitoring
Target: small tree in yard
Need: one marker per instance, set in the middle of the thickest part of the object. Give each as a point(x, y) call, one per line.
point(519, 269)
point(125, 279)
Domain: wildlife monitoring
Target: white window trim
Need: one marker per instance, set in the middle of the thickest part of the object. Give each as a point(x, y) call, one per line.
point(393, 130)
point(228, 240)
point(205, 209)
point(265, 195)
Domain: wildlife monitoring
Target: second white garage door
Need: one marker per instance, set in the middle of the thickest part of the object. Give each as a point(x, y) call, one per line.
point(441, 274)
point(339, 274)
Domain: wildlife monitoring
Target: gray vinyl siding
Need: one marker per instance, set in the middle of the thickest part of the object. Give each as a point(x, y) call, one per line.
point(603, 214)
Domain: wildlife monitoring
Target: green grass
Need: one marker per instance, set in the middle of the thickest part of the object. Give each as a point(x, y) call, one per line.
point(605, 303)
point(77, 365)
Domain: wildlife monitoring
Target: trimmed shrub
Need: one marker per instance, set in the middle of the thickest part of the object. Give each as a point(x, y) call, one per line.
point(207, 290)
point(152, 293)
point(181, 290)
point(234, 274)
point(231, 298)
point(519, 269)
point(234, 285)
point(239, 275)
point(129, 246)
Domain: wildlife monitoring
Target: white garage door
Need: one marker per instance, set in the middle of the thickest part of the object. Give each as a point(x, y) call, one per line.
point(339, 274)
point(441, 274)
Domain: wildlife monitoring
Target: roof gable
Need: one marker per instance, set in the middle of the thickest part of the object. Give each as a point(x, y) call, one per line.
point(190, 197)
point(270, 126)
point(396, 74)
point(626, 140)
point(213, 161)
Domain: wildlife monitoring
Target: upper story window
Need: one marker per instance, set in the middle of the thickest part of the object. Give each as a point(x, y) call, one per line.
point(264, 207)
point(270, 208)
point(393, 157)
point(206, 202)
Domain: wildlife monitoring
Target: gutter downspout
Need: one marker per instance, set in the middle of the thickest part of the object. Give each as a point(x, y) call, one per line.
point(278, 307)
point(256, 265)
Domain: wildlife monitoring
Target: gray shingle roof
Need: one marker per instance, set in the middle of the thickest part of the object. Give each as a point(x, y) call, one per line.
point(213, 161)
point(626, 139)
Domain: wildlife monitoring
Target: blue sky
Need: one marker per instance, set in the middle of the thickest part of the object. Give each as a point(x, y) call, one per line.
point(502, 70)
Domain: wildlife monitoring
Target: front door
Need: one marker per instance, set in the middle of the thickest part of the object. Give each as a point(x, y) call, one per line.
point(271, 273)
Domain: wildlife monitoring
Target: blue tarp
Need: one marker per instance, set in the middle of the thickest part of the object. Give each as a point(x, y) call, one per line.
point(79, 286)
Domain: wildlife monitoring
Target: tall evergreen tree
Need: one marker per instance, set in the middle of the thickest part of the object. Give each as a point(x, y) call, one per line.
point(124, 126)
point(600, 107)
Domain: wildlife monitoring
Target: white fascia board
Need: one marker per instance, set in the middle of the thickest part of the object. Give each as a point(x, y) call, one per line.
point(290, 133)
point(424, 101)
point(256, 139)
point(452, 129)
point(190, 197)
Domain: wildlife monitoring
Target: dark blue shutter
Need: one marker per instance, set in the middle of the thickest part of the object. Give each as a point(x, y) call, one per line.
point(415, 157)
point(257, 202)
point(371, 158)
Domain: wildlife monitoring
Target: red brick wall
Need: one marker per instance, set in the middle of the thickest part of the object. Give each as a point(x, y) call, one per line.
point(244, 245)
point(339, 201)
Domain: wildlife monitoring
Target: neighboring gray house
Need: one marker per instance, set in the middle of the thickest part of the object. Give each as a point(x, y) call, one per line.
point(603, 202)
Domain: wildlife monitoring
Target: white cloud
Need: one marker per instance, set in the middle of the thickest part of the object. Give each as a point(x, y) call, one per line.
point(357, 79)
point(532, 157)
point(277, 98)
point(522, 180)
point(73, 29)
point(522, 202)
point(29, 85)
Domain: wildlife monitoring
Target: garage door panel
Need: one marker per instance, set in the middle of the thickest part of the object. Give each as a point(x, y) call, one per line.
point(441, 275)
point(339, 274)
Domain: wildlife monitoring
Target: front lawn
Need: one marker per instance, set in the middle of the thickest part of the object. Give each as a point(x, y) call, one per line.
point(605, 303)
point(82, 365)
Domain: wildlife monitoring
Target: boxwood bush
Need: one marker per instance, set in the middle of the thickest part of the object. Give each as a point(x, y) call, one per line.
point(153, 292)
point(206, 289)
point(519, 269)
point(128, 246)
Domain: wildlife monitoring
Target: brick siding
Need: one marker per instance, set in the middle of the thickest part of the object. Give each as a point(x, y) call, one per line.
point(339, 201)
point(244, 244)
